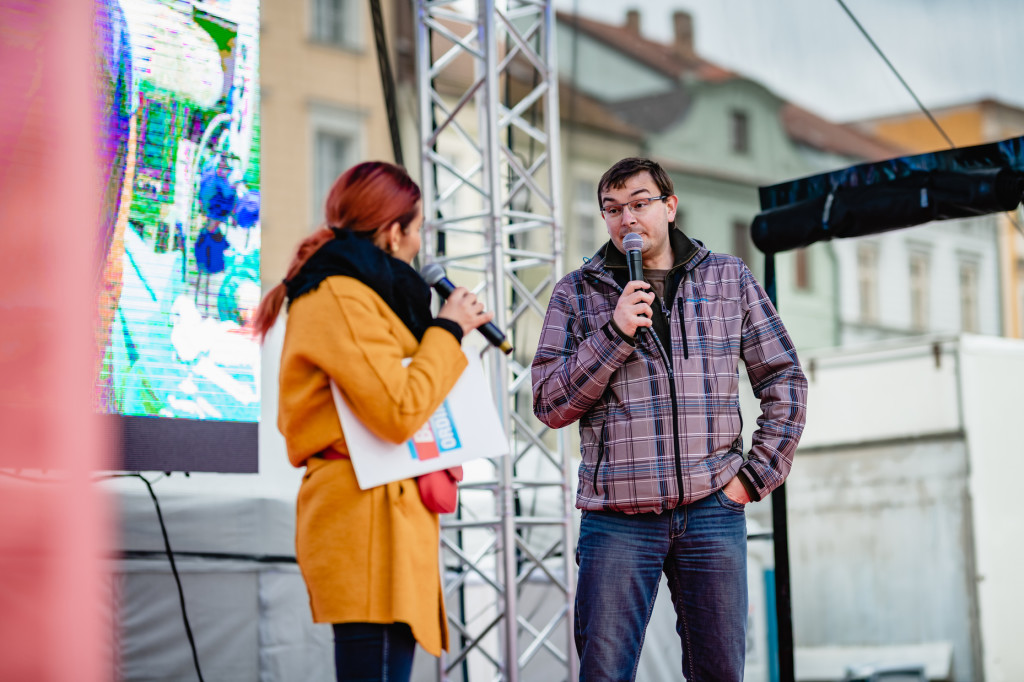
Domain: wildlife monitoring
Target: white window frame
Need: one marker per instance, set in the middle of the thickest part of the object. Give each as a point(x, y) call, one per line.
point(867, 282)
point(970, 294)
point(351, 20)
point(332, 120)
point(919, 273)
point(585, 217)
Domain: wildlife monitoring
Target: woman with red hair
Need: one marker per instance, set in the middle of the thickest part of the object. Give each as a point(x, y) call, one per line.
point(356, 310)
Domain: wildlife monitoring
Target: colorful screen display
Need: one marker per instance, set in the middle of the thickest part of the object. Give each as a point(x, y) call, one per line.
point(179, 239)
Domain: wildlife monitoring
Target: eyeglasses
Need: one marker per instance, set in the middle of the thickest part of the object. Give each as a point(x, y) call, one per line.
point(636, 207)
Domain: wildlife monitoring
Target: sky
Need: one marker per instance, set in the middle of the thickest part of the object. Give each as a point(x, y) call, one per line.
point(810, 52)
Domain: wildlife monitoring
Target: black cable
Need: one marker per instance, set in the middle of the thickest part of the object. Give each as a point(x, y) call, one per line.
point(441, 236)
point(174, 568)
point(387, 80)
point(215, 556)
point(897, 74)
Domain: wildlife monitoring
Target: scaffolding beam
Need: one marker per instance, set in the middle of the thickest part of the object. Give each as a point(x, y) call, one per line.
point(490, 171)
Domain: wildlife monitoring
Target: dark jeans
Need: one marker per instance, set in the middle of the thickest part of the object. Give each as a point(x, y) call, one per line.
point(373, 652)
point(702, 548)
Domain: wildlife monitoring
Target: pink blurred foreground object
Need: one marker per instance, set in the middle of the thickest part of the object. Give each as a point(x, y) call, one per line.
point(54, 622)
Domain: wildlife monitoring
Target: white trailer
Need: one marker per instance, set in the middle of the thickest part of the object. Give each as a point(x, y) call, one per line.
point(904, 523)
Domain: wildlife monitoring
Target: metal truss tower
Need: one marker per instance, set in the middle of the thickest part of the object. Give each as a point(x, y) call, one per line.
point(488, 95)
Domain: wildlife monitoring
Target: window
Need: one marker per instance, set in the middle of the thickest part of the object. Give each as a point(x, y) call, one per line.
point(867, 282)
point(330, 158)
point(920, 272)
point(740, 241)
point(740, 129)
point(585, 217)
point(336, 22)
point(969, 296)
point(335, 146)
point(802, 270)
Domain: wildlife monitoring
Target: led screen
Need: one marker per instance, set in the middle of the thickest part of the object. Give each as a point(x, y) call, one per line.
point(178, 248)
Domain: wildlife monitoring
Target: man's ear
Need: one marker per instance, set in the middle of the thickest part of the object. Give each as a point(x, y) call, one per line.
point(672, 203)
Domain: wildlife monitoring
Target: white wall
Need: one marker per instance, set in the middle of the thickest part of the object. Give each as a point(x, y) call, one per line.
point(884, 392)
point(903, 514)
point(991, 375)
point(880, 548)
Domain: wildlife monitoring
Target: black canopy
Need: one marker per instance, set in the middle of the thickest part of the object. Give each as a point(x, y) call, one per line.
point(887, 195)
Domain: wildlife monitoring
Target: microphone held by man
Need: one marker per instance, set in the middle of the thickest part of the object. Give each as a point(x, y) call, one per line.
point(434, 275)
point(634, 245)
point(636, 298)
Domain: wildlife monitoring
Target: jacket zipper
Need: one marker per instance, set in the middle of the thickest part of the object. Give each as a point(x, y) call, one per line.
point(675, 415)
point(672, 394)
point(600, 454)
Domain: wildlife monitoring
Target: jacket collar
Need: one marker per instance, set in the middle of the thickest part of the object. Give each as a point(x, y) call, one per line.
point(688, 254)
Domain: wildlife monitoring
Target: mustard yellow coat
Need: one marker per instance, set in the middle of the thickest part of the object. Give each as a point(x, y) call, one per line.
point(367, 556)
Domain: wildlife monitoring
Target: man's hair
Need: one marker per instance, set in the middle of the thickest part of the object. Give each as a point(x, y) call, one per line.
point(616, 176)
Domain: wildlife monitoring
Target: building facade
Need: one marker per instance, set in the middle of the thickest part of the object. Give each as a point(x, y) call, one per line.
point(323, 111)
point(720, 136)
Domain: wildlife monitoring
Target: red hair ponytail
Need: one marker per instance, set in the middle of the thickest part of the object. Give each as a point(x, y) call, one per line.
point(270, 306)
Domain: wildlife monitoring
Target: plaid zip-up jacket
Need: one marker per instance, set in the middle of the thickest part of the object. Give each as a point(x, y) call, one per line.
point(660, 426)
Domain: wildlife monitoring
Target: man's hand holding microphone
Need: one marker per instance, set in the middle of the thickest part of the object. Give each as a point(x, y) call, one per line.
point(633, 310)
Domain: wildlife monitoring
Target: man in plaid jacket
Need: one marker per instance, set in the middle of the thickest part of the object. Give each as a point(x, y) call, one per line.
point(650, 369)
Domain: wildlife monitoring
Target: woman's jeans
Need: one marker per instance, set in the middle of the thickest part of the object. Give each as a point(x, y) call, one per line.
point(702, 548)
point(372, 652)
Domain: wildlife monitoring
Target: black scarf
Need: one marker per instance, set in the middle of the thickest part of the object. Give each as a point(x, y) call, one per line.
point(393, 280)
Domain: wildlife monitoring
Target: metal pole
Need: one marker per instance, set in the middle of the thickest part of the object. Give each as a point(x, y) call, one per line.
point(552, 118)
point(495, 205)
point(780, 537)
point(491, 102)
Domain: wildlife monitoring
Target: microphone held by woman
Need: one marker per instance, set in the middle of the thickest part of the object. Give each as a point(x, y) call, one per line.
point(434, 275)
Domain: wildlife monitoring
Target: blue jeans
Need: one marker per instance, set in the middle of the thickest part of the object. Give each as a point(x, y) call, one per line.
point(702, 548)
point(373, 652)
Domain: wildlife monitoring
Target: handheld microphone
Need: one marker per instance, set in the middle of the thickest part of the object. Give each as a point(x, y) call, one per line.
point(435, 277)
point(634, 244)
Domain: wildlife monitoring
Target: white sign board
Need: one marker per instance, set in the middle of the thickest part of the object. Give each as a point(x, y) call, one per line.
point(465, 427)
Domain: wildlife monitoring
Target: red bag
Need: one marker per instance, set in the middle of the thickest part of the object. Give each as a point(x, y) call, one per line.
point(439, 490)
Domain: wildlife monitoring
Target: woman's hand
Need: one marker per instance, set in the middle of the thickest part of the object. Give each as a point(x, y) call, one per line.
point(465, 309)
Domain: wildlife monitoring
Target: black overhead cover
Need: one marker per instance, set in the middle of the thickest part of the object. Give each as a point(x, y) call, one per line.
point(887, 195)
